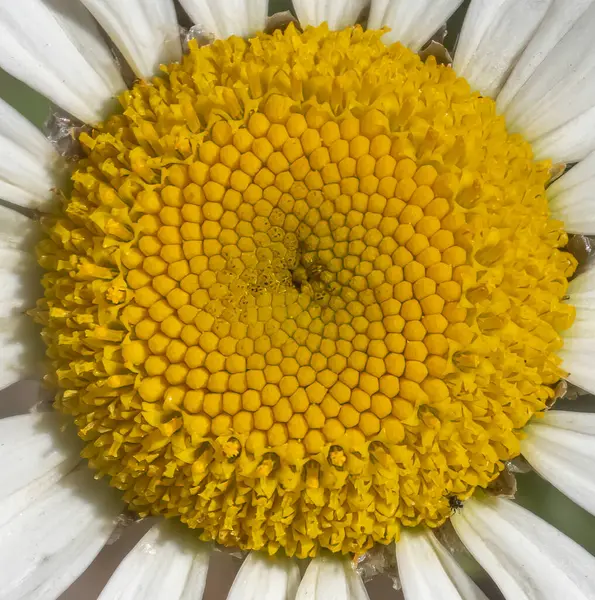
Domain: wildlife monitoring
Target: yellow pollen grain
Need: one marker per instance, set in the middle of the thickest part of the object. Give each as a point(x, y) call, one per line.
point(295, 300)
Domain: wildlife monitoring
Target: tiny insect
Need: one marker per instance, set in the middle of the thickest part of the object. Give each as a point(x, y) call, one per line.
point(455, 503)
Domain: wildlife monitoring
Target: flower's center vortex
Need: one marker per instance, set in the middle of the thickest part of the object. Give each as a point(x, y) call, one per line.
point(305, 291)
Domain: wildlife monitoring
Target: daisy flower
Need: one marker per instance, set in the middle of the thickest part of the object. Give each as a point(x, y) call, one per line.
point(304, 294)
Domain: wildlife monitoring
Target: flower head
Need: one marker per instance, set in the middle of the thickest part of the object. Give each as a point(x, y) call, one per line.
point(304, 291)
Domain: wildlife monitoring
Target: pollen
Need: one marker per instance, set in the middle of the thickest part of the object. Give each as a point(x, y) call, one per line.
point(304, 291)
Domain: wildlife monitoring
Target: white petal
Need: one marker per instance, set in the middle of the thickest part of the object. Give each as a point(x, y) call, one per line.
point(145, 31)
point(168, 562)
point(331, 579)
point(231, 17)
point(34, 455)
point(571, 197)
point(526, 557)
point(553, 105)
point(576, 422)
point(337, 13)
point(411, 23)
point(494, 34)
point(558, 20)
point(17, 230)
point(579, 341)
point(12, 264)
point(30, 167)
point(581, 290)
point(19, 281)
point(428, 570)
point(50, 543)
point(561, 448)
point(577, 355)
point(21, 349)
point(264, 578)
point(569, 143)
point(56, 48)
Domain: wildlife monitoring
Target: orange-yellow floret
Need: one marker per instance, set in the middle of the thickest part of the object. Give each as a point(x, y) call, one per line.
point(305, 289)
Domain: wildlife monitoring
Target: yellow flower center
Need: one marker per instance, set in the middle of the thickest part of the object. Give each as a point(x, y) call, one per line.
point(305, 291)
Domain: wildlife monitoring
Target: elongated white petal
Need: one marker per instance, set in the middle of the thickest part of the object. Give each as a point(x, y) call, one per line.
point(232, 17)
point(571, 197)
point(263, 578)
point(167, 562)
point(566, 420)
point(19, 281)
point(331, 579)
point(560, 17)
point(581, 292)
point(17, 230)
point(577, 354)
point(19, 273)
point(551, 100)
point(51, 542)
point(526, 557)
point(569, 143)
point(579, 340)
point(56, 48)
point(428, 570)
point(30, 167)
point(34, 455)
point(411, 23)
point(337, 13)
point(21, 347)
point(145, 31)
point(494, 34)
point(561, 448)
